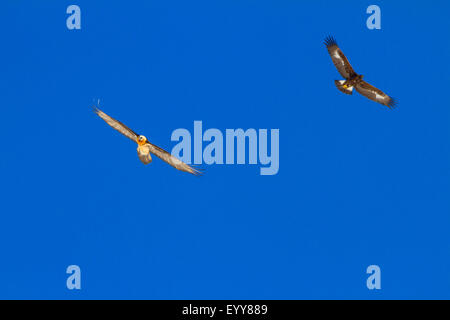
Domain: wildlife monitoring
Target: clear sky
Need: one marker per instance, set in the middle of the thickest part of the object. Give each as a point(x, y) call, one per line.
point(358, 184)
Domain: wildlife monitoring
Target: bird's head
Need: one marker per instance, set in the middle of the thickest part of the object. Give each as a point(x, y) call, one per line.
point(141, 140)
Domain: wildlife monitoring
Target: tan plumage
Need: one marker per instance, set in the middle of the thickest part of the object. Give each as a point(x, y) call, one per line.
point(145, 148)
point(352, 79)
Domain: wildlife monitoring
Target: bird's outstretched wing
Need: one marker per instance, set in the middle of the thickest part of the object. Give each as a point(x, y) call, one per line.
point(375, 94)
point(173, 161)
point(339, 59)
point(119, 126)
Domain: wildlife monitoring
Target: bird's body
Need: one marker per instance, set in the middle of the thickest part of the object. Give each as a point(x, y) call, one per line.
point(352, 79)
point(145, 148)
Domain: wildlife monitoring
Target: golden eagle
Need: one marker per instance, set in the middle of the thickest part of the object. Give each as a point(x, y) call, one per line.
point(352, 79)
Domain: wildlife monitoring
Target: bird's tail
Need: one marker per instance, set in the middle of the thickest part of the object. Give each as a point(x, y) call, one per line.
point(340, 84)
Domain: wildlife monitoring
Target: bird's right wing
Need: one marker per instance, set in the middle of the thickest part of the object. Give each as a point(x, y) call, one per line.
point(339, 59)
point(375, 94)
point(119, 126)
point(173, 161)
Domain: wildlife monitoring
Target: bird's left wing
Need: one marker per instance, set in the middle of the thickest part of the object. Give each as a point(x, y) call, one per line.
point(173, 161)
point(119, 126)
point(375, 94)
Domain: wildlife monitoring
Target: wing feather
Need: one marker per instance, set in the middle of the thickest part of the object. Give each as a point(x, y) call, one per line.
point(173, 161)
point(119, 126)
point(375, 94)
point(339, 59)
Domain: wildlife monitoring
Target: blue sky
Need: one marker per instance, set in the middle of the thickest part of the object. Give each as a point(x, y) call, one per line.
point(358, 184)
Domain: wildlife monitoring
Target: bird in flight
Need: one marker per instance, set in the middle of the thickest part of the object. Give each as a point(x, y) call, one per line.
point(352, 79)
point(145, 148)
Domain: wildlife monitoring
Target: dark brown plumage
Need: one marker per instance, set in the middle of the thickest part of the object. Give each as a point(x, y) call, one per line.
point(352, 79)
point(145, 148)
